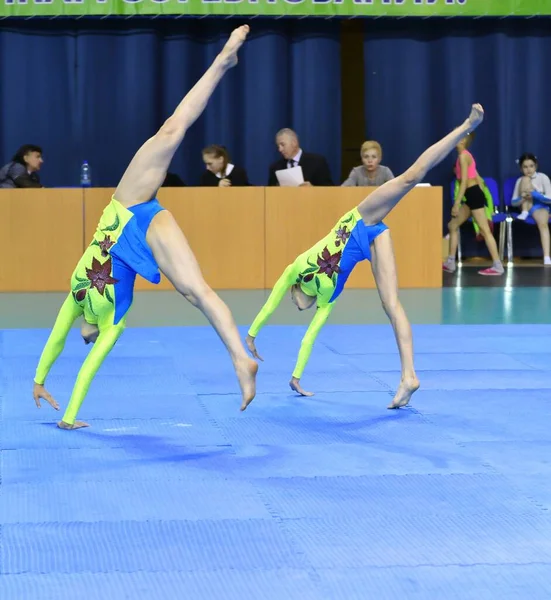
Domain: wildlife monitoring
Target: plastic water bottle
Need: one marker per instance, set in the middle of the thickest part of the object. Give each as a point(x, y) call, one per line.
point(85, 175)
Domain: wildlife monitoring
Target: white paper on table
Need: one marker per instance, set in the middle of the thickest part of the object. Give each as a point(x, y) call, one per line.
point(292, 177)
point(423, 185)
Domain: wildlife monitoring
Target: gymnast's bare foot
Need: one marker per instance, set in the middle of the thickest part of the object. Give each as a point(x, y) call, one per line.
point(406, 390)
point(229, 52)
point(75, 425)
point(477, 116)
point(246, 370)
point(294, 384)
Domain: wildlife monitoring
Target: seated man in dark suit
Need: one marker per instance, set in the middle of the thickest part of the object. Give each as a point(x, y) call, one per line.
point(314, 166)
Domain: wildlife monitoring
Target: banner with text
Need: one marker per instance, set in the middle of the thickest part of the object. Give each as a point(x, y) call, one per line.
point(321, 8)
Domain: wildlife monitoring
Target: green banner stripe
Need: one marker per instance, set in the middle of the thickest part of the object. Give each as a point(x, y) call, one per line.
point(322, 8)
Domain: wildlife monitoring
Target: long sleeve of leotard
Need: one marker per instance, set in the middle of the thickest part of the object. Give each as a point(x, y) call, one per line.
point(101, 348)
point(287, 279)
point(68, 313)
point(319, 320)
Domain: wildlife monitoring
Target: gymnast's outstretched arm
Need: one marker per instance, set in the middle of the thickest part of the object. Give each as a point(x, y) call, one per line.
point(68, 314)
point(102, 347)
point(109, 334)
point(319, 320)
point(147, 170)
point(287, 279)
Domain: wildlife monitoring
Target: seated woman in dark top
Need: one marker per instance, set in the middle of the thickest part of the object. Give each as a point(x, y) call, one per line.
point(220, 172)
point(22, 171)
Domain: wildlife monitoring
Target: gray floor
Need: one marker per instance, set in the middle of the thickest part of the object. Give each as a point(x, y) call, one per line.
point(451, 305)
point(162, 309)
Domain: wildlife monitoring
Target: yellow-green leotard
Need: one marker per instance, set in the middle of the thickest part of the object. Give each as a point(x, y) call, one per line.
point(322, 271)
point(102, 287)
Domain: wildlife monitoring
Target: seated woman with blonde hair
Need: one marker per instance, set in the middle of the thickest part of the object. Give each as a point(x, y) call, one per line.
point(371, 172)
point(220, 171)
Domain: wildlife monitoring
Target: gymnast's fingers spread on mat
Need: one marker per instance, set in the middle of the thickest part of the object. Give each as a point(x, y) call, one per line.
point(39, 391)
point(75, 425)
point(252, 347)
point(295, 385)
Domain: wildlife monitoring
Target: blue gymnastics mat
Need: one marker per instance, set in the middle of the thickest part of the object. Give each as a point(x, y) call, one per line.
point(172, 493)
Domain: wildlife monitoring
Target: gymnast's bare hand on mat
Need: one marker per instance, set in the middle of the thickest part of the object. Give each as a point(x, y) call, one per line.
point(249, 340)
point(294, 384)
point(39, 391)
point(75, 425)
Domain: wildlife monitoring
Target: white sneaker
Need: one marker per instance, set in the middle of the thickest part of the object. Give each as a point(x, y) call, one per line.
point(523, 215)
point(449, 266)
point(547, 260)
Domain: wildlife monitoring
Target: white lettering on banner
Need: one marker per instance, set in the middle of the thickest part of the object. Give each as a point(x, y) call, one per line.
point(292, 2)
point(416, 2)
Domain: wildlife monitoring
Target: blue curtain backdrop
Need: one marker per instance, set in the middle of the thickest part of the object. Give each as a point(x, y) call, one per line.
point(423, 75)
point(96, 90)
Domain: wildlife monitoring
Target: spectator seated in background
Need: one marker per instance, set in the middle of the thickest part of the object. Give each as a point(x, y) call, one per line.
point(220, 172)
point(315, 169)
point(22, 171)
point(533, 194)
point(370, 173)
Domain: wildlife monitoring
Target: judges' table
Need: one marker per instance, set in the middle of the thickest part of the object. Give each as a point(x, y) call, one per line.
point(243, 237)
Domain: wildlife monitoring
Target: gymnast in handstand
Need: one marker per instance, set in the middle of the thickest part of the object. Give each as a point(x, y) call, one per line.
point(135, 235)
point(318, 275)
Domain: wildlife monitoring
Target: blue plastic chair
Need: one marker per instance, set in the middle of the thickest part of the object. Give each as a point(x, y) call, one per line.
point(499, 215)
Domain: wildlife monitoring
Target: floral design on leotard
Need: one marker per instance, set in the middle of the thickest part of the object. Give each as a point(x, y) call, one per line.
point(80, 295)
point(100, 275)
point(342, 236)
point(326, 264)
point(105, 244)
point(329, 263)
point(114, 226)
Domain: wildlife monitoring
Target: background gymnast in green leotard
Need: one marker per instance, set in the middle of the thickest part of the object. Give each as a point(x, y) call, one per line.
point(136, 235)
point(318, 275)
